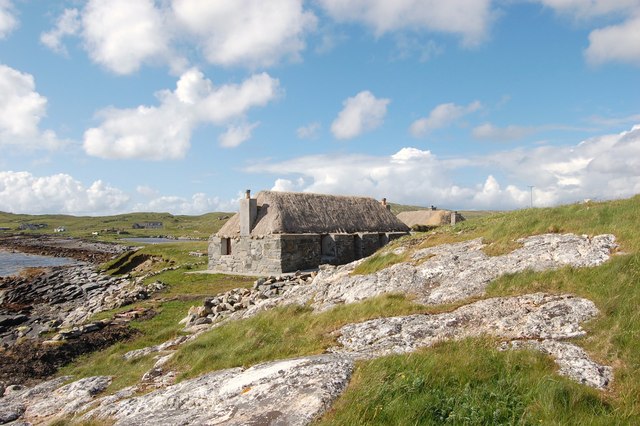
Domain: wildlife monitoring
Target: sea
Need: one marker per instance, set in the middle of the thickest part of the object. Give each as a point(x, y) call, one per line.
point(12, 262)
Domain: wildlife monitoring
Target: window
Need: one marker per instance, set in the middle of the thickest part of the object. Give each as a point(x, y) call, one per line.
point(225, 246)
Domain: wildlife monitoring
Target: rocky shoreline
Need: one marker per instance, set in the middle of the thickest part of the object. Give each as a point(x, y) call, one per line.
point(45, 312)
point(47, 245)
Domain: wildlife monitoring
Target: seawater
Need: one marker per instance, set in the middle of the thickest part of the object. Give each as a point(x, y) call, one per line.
point(11, 263)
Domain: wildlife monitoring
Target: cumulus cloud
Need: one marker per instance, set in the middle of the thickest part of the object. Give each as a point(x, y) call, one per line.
point(469, 19)
point(441, 116)
point(8, 20)
point(246, 32)
point(581, 9)
point(602, 167)
point(21, 109)
point(164, 131)
point(361, 113)
point(123, 34)
point(235, 135)
point(22, 192)
point(488, 131)
point(67, 24)
point(615, 43)
point(310, 131)
point(198, 203)
point(619, 42)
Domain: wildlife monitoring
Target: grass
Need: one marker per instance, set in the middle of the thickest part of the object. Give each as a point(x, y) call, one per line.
point(447, 385)
point(464, 382)
point(82, 226)
point(279, 333)
point(164, 326)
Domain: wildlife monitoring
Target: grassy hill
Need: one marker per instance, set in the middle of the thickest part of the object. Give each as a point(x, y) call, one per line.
point(83, 226)
point(464, 382)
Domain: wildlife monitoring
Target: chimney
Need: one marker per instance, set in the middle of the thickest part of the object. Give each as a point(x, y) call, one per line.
point(384, 204)
point(248, 213)
point(454, 215)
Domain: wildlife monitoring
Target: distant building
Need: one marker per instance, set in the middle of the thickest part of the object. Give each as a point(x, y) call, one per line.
point(428, 218)
point(147, 225)
point(32, 226)
point(286, 231)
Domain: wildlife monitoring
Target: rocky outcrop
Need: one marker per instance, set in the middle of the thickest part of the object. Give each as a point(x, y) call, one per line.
point(572, 361)
point(289, 392)
point(533, 316)
point(535, 321)
point(221, 306)
point(448, 272)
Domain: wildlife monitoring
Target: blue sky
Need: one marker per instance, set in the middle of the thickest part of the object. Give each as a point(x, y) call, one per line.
point(109, 106)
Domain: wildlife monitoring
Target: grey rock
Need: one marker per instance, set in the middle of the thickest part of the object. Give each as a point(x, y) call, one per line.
point(532, 316)
point(445, 273)
point(572, 361)
point(291, 392)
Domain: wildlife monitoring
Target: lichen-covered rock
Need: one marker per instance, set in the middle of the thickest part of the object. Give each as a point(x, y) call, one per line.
point(572, 361)
point(67, 399)
point(291, 392)
point(446, 273)
point(532, 316)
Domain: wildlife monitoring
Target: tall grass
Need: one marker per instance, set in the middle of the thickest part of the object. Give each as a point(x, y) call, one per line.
point(464, 382)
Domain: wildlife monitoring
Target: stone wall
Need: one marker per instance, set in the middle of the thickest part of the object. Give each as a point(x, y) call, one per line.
point(300, 251)
point(248, 255)
point(276, 254)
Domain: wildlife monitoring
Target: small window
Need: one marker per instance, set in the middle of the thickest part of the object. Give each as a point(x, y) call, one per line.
point(328, 246)
point(225, 246)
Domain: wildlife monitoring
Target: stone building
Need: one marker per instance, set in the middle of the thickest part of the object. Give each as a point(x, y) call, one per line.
point(286, 231)
point(428, 218)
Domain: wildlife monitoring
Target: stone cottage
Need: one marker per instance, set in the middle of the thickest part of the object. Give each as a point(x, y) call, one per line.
point(286, 231)
point(429, 218)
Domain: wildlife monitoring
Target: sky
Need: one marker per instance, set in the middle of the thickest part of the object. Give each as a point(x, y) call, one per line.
point(112, 106)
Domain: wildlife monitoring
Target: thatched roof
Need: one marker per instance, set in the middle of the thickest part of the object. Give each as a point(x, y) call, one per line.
point(304, 213)
point(428, 217)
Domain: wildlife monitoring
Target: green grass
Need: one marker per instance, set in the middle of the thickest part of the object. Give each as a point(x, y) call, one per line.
point(200, 227)
point(279, 333)
point(164, 326)
point(465, 382)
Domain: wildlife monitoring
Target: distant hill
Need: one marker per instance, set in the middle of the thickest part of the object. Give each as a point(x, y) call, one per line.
point(83, 226)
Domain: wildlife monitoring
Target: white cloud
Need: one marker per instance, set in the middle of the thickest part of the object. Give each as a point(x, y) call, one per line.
point(310, 131)
point(619, 42)
point(124, 34)
point(199, 203)
point(469, 19)
point(504, 134)
point(164, 131)
point(581, 9)
point(602, 167)
point(8, 20)
point(22, 192)
point(442, 116)
point(21, 109)
point(236, 135)
point(246, 32)
point(361, 113)
point(615, 43)
point(67, 24)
